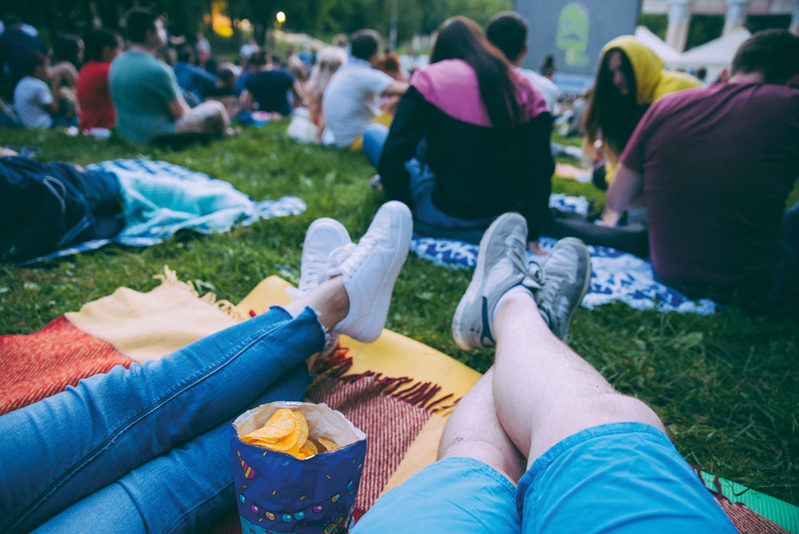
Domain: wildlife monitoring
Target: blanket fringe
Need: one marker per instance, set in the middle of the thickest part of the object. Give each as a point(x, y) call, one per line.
point(170, 277)
point(425, 395)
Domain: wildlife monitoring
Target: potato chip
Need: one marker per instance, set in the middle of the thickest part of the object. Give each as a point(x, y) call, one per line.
point(301, 427)
point(279, 426)
point(287, 431)
point(327, 444)
point(289, 442)
point(308, 449)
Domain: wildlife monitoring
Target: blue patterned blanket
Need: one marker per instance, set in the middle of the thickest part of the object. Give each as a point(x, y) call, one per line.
point(616, 276)
point(161, 198)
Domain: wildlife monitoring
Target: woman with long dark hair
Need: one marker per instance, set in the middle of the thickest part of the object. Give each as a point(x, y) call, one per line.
point(630, 78)
point(469, 142)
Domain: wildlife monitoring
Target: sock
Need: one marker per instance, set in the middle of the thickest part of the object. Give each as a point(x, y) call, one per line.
point(515, 290)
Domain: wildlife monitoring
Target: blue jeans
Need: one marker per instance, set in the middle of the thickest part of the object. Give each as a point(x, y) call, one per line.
point(428, 220)
point(146, 449)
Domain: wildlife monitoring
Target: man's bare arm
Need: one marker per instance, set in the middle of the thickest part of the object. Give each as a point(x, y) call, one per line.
point(178, 108)
point(396, 88)
point(625, 190)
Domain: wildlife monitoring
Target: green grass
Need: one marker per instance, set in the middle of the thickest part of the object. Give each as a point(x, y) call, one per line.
point(725, 385)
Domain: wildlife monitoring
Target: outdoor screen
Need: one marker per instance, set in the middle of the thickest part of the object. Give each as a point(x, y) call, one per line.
point(574, 32)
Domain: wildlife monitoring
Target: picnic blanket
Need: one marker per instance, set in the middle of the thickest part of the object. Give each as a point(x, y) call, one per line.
point(399, 391)
point(616, 276)
point(162, 198)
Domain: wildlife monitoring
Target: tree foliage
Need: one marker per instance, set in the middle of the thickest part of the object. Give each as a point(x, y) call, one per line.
point(317, 17)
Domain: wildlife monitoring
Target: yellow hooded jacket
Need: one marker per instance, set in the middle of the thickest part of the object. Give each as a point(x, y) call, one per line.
point(651, 82)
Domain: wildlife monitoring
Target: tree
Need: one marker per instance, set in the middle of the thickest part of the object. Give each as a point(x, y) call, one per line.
point(480, 11)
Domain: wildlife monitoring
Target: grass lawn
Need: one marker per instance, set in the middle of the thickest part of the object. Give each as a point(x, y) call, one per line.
point(726, 386)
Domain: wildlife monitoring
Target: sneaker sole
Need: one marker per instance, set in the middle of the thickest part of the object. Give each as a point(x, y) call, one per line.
point(583, 291)
point(473, 290)
point(404, 224)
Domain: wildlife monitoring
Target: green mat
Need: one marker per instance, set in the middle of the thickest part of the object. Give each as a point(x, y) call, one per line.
point(784, 514)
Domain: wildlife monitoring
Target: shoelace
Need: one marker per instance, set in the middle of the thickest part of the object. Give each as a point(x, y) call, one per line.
point(336, 259)
point(517, 244)
point(534, 279)
point(333, 261)
point(546, 297)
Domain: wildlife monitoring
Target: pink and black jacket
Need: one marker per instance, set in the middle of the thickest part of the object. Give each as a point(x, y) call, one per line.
point(481, 171)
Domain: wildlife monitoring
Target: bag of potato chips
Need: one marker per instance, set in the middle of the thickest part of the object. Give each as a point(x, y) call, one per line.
point(297, 467)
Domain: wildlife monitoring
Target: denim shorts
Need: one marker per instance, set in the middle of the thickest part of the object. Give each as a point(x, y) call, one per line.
point(621, 477)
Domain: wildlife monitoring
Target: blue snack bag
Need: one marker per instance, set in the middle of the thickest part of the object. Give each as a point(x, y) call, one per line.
point(278, 492)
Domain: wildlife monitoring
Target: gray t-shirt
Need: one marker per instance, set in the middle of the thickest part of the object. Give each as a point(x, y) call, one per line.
point(545, 86)
point(142, 88)
point(31, 95)
point(350, 101)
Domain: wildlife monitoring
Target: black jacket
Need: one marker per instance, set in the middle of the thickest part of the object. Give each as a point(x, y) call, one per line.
point(481, 172)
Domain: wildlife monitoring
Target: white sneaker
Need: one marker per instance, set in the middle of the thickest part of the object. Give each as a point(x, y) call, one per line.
point(370, 271)
point(324, 236)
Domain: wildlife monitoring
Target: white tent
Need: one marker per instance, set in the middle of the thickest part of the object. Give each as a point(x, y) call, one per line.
point(714, 55)
point(658, 45)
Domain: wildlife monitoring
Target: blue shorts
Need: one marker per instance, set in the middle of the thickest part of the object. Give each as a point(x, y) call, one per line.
point(622, 477)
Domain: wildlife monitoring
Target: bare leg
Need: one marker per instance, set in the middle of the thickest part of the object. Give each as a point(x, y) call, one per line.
point(544, 392)
point(474, 431)
point(329, 299)
point(210, 116)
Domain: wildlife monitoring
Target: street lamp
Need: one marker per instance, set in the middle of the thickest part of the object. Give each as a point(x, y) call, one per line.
point(280, 17)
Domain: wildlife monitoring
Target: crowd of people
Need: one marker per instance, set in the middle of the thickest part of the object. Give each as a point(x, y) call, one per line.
point(150, 83)
point(466, 137)
point(462, 148)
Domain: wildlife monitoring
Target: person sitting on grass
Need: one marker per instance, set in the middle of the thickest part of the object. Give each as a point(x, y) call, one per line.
point(542, 428)
point(470, 141)
point(714, 167)
point(390, 64)
point(146, 96)
point(350, 102)
point(37, 104)
point(94, 96)
point(508, 32)
point(543, 443)
point(16, 45)
point(224, 91)
point(270, 88)
point(190, 77)
point(68, 53)
point(629, 79)
point(126, 436)
point(329, 60)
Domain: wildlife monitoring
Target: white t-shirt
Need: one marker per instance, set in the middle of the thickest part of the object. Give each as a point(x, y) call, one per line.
point(30, 96)
point(350, 101)
point(547, 87)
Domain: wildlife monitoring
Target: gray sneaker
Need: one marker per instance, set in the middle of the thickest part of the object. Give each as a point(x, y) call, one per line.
point(501, 265)
point(565, 276)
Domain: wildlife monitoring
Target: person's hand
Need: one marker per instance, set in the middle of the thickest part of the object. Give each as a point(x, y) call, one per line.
point(7, 152)
point(610, 218)
point(533, 247)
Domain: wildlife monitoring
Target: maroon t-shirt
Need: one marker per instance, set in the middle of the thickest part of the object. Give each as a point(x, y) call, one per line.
point(718, 164)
